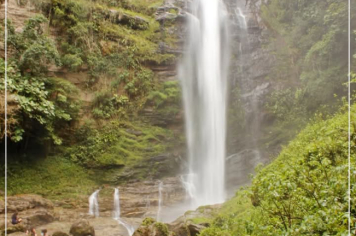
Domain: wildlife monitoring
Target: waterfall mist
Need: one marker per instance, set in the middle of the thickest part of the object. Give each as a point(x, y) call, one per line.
point(203, 75)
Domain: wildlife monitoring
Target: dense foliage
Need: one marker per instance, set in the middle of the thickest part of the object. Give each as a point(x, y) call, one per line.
point(106, 44)
point(309, 43)
point(39, 104)
point(78, 71)
point(303, 192)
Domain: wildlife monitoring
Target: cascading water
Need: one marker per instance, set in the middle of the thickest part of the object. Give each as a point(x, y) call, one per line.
point(93, 204)
point(203, 75)
point(117, 213)
point(251, 99)
point(241, 18)
point(188, 187)
point(160, 188)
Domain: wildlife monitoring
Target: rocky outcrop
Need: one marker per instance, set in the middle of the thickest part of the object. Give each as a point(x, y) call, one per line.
point(82, 228)
point(242, 164)
point(155, 229)
point(25, 202)
point(119, 17)
point(250, 86)
point(140, 199)
point(180, 227)
point(34, 211)
point(18, 13)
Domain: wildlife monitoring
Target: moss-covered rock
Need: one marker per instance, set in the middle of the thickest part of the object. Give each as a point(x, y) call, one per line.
point(82, 228)
point(150, 227)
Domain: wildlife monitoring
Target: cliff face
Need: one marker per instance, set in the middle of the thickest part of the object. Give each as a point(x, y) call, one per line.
point(249, 86)
point(159, 107)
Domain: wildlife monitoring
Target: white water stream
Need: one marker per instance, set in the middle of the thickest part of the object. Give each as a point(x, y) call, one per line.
point(160, 188)
point(117, 213)
point(241, 18)
point(93, 204)
point(203, 75)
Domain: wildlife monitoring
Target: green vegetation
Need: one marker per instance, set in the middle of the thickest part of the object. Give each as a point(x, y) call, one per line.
point(39, 104)
point(117, 144)
point(309, 42)
point(52, 177)
point(148, 221)
point(302, 192)
point(109, 40)
point(79, 74)
point(166, 99)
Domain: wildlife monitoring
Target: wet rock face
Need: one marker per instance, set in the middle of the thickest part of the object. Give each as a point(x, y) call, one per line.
point(140, 199)
point(82, 228)
point(248, 75)
point(239, 167)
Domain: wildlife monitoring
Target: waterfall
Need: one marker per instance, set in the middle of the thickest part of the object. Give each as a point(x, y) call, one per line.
point(241, 18)
point(117, 213)
point(160, 188)
point(188, 187)
point(130, 229)
point(93, 204)
point(203, 75)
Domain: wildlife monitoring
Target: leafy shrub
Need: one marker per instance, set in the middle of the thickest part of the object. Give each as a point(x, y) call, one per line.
point(72, 61)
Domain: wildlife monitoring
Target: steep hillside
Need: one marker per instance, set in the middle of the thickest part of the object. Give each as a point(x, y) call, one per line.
point(302, 192)
point(92, 83)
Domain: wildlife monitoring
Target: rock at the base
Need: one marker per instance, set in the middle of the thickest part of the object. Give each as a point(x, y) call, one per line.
point(150, 227)
point(82, 228)
point(38, 217)
point(195, 229)
point(59, 233)
point(12, 229)
point(180, 229)
point(186, 229)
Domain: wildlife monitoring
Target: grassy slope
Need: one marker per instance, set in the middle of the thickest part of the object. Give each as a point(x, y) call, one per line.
point(52, 177)
point(302, 192)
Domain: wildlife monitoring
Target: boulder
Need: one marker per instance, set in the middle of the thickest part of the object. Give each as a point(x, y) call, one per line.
point(82, 228)
point(195, 229)
point(186, 229)
point(155, 229)
point(59, 233)
point(37, 217)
